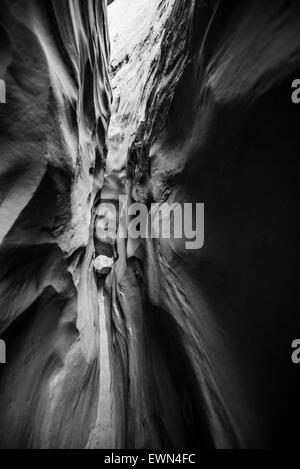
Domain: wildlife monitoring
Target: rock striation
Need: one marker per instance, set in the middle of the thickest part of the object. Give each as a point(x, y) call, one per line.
point(202, 113)
point(54, 59)
point(141, 343)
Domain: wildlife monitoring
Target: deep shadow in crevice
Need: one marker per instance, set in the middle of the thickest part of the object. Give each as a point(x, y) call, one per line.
point(166, 336)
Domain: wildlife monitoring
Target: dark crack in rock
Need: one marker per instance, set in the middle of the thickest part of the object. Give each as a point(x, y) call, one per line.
point(141, 343)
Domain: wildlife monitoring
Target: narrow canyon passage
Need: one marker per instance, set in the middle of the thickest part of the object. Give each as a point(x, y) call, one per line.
point(139, 342)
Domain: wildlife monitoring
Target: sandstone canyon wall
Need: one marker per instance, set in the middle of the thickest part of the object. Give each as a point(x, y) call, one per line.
point(173, 348)
point(202, 113)
point(54, 59)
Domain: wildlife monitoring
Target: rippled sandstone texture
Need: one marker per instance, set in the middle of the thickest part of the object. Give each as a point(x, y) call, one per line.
point(198, 342)
point(54, 59)
point(202, 113)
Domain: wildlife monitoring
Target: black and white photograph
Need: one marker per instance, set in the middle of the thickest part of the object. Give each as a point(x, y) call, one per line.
point(149, 203)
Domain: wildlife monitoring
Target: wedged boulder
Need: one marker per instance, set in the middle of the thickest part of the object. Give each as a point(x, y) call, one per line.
point(103, 265)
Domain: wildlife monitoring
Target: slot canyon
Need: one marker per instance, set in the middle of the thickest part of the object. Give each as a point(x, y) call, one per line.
point(133, 343)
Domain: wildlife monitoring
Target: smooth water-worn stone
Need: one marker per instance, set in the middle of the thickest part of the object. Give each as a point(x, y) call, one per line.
point(103, 264)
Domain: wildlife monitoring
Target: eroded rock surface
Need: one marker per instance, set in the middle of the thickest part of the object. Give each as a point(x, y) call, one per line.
point(201, 339)
point(174, 348)
point(54, 59)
